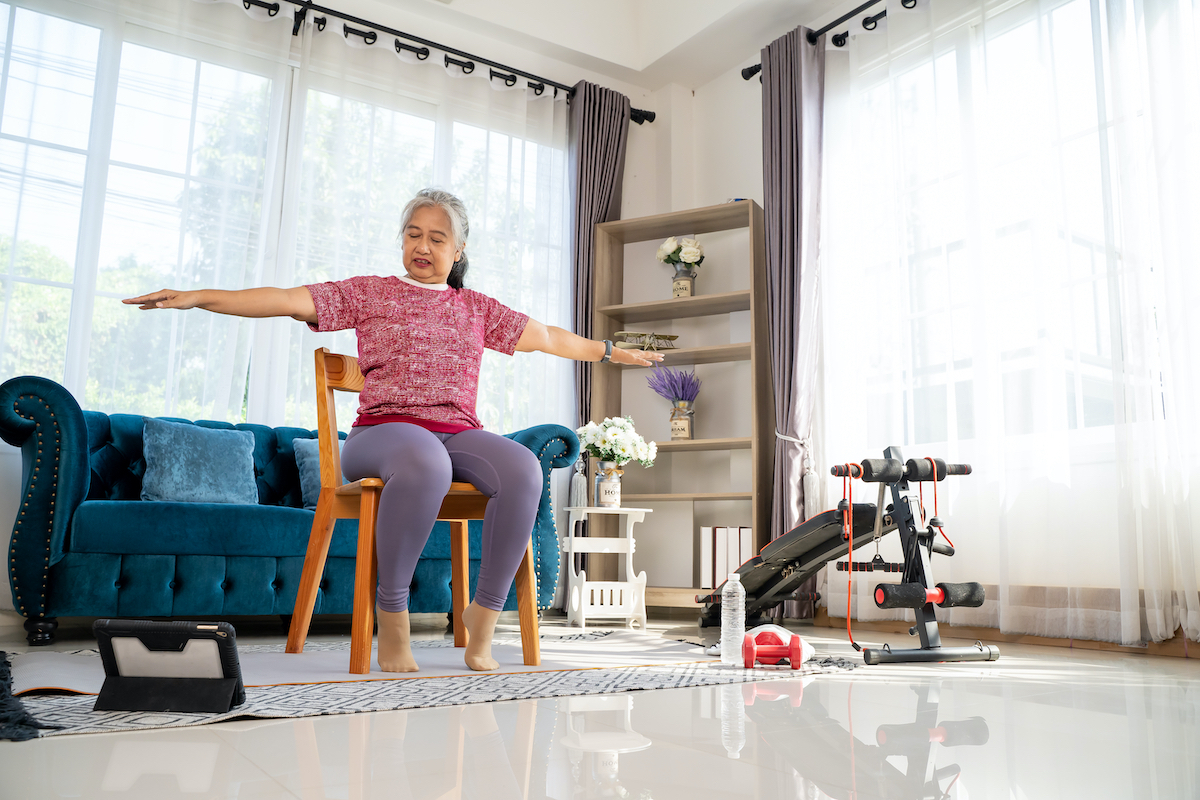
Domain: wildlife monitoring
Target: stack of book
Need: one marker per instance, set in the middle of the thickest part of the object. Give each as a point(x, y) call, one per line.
point(722, 550)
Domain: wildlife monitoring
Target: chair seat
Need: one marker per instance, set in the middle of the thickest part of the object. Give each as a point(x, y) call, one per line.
point(457, 487)
point(357, 487)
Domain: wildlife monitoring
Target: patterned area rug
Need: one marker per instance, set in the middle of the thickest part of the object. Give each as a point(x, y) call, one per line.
point(66, 714)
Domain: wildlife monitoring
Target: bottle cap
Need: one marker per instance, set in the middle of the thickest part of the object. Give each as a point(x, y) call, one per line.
point(733, 576)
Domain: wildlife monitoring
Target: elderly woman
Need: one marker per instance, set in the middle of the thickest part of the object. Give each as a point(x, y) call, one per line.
point(421, 337)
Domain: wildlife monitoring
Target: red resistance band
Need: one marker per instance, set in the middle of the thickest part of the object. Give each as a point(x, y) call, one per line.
point(848, 534)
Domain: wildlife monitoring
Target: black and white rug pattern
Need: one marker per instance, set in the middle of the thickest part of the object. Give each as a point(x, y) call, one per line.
point(70, 714)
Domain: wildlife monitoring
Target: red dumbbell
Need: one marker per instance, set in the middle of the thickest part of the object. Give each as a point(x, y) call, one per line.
point(769, 648)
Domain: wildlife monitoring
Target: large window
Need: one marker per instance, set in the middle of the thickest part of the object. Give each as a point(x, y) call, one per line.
point(49, 77)
point(182, 208)
point(1003, 286)
point(132, 159)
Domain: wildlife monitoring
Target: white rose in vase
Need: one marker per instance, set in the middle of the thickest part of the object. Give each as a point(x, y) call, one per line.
point(666, 248)
point(691, 254)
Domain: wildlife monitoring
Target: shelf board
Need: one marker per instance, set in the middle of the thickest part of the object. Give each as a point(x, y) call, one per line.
point(673, 597)
point(702, 305)
point(685, 496)
point(686, 445)
point(714, 354)
point(726, 216)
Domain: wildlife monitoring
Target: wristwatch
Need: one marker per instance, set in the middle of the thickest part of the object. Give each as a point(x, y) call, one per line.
point(607, 352)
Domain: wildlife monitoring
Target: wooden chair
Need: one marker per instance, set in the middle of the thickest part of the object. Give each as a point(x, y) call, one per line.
point(360, 500)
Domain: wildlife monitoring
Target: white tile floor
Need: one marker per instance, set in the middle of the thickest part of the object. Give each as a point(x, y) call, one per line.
point(1039, 723)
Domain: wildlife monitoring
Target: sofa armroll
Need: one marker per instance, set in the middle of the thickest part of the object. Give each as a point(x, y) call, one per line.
point(554, 445)
point(44, 420)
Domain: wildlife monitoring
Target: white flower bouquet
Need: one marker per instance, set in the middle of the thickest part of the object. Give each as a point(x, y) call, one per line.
point(676, 251)
point(614, 439)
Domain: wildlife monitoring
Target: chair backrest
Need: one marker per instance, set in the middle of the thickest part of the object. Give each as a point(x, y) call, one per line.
point(335, 372)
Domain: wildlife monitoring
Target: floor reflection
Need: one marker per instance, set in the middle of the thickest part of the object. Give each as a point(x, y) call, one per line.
point(599, 730)
point(897, 761)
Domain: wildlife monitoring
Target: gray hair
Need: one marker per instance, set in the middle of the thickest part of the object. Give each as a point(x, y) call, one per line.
point(460, 228)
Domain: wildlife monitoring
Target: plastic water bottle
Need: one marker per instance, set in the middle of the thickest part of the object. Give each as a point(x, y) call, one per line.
point(733, 620)
point(733, 719)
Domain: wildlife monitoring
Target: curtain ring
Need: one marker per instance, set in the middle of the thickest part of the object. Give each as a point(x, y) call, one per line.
point(509, 80)
point(467, 66)
point(538, 88)
point(272, 8)
point(369, 37)
point(422, 53)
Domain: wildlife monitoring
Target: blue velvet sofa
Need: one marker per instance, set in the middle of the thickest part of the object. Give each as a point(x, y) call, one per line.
point(85, 544)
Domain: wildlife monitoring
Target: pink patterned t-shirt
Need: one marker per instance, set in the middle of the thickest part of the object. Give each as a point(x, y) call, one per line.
point(419, 349)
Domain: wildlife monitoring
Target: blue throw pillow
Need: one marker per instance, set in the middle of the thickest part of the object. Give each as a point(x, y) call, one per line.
point(190, 464)
point(308, 464)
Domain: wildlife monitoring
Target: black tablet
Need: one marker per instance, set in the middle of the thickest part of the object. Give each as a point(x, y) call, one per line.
point(168, 666)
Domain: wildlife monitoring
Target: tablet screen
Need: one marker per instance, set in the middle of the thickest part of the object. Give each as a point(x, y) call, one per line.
point(199, 658)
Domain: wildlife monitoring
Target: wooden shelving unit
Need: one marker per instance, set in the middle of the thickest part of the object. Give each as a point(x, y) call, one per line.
point(661, 497)
point(714, 354)
point(702, 305)
point(612, 313)
point(692, 445)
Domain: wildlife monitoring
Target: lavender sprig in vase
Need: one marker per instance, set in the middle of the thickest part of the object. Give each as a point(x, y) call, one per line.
point(681, 389)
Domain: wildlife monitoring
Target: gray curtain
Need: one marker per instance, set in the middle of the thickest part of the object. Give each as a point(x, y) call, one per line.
point(793, 86)
point(598, 129)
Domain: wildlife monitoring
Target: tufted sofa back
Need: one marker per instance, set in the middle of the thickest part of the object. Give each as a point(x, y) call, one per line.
point(117, 463)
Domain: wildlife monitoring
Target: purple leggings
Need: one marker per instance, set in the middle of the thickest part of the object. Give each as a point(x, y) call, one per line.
point(417, 466)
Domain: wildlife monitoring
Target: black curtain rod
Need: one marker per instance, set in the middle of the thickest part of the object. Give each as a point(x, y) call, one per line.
point(814, 35)
point(838, 39)
point(535, 82)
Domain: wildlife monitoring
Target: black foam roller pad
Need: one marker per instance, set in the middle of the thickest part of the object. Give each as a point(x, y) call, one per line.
point(968, 595)
point(973, 731)
point(882, 470)
point(919, 469)
point(900, 595)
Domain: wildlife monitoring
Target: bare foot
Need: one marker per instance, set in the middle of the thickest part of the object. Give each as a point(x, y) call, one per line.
point(480, 623)
point(395, 650)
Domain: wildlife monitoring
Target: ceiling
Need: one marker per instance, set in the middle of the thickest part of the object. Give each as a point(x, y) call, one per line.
point(648, 43)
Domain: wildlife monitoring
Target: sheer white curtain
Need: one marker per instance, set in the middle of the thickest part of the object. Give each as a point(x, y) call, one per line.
point(189, 144)
point(369, 131)
point(134, 154)
point(1007, 281)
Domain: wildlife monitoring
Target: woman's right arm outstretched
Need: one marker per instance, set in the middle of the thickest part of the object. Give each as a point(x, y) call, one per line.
point(267, 301)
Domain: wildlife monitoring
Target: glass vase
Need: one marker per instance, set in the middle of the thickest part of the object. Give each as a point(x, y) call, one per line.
point(607, 490)
point(681, 419)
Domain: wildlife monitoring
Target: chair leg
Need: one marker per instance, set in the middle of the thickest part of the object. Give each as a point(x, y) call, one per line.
point(365, 585)
point(310, 576)
point(527, 609)
point(460, 577)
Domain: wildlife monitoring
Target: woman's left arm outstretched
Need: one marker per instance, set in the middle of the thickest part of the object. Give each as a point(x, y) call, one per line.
point(560, 342)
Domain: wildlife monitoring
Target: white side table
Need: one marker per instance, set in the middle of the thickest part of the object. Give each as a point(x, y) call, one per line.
point(624, 598)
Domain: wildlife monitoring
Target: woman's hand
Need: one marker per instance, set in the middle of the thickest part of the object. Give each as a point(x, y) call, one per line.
point(639, 358)
point(165, 298)
point(559, 342)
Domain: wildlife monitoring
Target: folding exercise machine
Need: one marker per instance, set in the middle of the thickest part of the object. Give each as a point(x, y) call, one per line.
point(781, 566)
